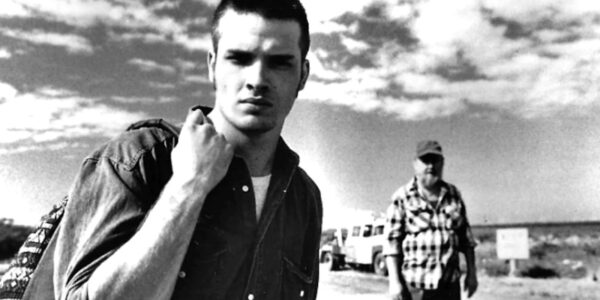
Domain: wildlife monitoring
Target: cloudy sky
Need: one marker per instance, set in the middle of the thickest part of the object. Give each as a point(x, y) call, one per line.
point(510, 88)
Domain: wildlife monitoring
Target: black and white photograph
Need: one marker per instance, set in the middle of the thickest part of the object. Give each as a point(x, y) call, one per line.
point(300, 149)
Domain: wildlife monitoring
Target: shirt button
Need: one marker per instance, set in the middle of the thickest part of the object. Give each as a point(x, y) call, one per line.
point(182, 274)
point(245, 188)
point(250, 297)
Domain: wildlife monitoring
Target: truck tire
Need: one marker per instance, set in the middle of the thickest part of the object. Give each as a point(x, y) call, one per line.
point(331, 262)
point(379, 266)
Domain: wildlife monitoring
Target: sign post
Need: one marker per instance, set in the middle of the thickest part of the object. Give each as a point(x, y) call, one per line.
point(512, 244)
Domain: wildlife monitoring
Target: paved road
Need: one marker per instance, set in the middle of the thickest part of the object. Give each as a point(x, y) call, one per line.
point(357, 285)
point(351, 285)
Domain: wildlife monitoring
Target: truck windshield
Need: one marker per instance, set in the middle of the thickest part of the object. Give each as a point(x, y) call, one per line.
point(367, 231)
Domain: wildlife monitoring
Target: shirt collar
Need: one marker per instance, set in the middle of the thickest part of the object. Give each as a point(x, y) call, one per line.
point(284, 156)
point(413, 190)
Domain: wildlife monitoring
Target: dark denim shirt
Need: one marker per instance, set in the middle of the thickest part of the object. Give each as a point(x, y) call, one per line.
point(231, 255)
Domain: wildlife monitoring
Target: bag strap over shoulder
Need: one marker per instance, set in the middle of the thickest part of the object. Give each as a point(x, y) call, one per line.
point(16, 279)
point(158, 123)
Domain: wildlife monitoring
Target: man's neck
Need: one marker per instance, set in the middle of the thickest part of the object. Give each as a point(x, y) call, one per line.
point(258, 155)
point(428, 192)
point(257, 149)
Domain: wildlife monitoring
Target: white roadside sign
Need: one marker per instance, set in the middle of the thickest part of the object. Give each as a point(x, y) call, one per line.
point(512, 243)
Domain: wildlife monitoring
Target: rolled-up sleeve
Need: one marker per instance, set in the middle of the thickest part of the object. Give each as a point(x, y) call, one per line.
point(466, 240)
point(394, 229)
point(107, 203)
point(101, 215)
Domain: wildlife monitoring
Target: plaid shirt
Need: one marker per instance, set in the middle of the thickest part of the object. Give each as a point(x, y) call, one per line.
point(428, 238)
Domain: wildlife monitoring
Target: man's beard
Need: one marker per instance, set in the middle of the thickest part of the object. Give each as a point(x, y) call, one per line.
point(430, 180)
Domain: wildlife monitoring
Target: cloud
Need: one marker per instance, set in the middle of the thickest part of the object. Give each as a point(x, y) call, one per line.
point(57, 115)
point(322, 14)
point(196, 79)
point(186, 65)
point(161, 85)
point(196, 42)
point(363, 97)
point(82, 13)
point(133, 19)
point(416, 59)
point(146, 37)
point(7, 91)
point(355, 47)
point(189, 42)
point(11, 8)
point(144, 100)
point(531, 60)
point(147, 65)
point(5, 54)
point(72, 43)
point(53, 146)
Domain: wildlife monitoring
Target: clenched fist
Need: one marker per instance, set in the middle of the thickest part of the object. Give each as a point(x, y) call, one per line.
point(202, 155)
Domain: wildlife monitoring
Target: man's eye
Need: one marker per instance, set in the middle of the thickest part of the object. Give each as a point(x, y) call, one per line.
point(239, 59)
point(281, 62)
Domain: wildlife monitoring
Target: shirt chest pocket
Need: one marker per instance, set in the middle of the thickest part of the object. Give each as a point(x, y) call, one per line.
point(452, 215)
point(296, 282)
point(202, 269)
point(417, 219)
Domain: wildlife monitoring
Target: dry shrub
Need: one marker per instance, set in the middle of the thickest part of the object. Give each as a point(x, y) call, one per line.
point(537, 271)
point(11, 238)
point(494, 267)
point(541, 250)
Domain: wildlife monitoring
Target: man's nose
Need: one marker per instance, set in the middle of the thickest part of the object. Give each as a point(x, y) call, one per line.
point(257, 77)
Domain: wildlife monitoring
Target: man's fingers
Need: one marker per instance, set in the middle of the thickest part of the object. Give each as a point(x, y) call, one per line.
point(472, 291)
point(195, 117)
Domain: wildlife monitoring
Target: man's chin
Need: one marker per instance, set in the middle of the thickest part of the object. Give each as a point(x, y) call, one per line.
point(430, 181)
point(255, 127)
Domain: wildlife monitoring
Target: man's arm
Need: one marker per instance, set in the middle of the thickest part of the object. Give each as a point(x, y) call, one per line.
point(467, 246)
point(147, 264)
point(315, 241)
point(471, 278)
point(393, 249)
point(396, 286)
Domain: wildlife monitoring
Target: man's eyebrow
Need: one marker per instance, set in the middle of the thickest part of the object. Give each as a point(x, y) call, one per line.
point(283, 56)
point(244, 53)
point(237, 52)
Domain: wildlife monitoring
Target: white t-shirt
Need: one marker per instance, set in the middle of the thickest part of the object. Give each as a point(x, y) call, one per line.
point(260, 186)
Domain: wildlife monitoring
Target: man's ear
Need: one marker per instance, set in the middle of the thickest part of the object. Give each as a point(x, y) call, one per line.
point(415, 164)
point(304, 72)
point(211, 59)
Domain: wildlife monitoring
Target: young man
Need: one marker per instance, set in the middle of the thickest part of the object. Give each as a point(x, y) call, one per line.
point(427, 228)
point(221, 212)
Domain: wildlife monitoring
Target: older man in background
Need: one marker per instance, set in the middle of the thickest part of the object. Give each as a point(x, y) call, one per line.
point(427, 228)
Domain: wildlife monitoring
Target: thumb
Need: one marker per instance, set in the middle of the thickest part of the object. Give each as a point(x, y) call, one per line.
point(195, 117)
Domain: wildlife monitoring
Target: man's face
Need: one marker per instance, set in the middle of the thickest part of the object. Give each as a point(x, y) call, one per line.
point(257, 71)
point(429, 169)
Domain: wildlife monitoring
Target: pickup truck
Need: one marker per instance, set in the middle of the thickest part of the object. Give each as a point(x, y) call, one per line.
point(359, 246)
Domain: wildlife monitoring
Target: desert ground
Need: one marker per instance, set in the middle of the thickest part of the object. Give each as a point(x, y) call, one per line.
point(359, 285)
point(566, 255)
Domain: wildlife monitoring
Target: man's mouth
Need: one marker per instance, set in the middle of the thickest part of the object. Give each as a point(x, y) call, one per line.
point(257, 101)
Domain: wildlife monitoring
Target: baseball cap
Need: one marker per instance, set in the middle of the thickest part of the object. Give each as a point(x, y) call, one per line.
point(429, 147)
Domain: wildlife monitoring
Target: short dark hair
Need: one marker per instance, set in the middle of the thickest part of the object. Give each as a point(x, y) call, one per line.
point(268, 9)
